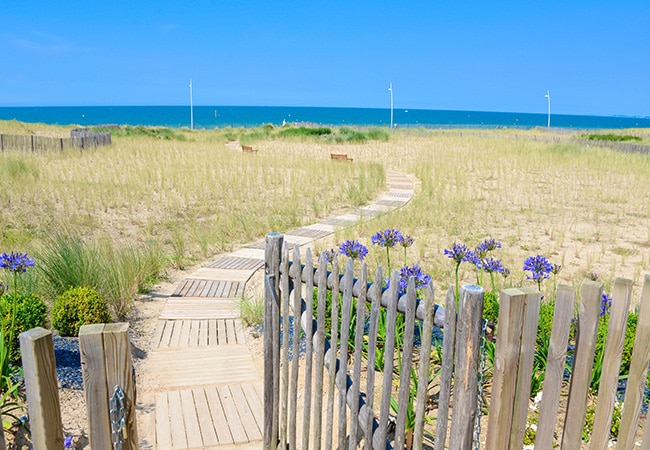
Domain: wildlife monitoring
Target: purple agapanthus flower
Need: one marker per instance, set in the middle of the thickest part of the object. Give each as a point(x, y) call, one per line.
point(407, 240)
point(487, 246)
point(353, 249)
point(16, 262)
point(473, 257)
point(67, 442)
point(458, 252)
point(505, 272)
point(555, 269)
point(330, 254)
point(422, 280)
point(538, 266)
point(492, 265)
point(605, 304)
point(387, 238)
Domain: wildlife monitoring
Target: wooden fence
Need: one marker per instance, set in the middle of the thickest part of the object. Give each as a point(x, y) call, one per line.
point(78, 140)
point(332, 397)
point(106, 364)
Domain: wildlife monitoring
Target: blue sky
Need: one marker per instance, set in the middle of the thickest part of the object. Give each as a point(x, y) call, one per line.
point(593, 56)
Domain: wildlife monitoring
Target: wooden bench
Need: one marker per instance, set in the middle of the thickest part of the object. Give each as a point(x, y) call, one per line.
point(340, 157)
point(248, 149)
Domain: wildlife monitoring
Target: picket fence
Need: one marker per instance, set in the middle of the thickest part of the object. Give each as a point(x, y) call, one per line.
point(78, 140)
point(321, 399)
point(105, 363)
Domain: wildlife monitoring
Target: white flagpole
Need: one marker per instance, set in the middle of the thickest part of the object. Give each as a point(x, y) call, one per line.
point(191, 108)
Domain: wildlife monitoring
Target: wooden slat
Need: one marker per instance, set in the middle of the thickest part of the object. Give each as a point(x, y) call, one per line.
point(525, 367)
point(389, 349)
point(548, 408)
point(232, 415)
point(468, 350)
point(184, 339)
point(254, 398)
point(284, 363)
point(448, 346)
point(319, 349)
point(246, 416)
point(230, 330)
point(212, 332)
point(163, 430)
point(239, 332)
point(177, 426)
point(621, 297)
point(297, 310)
point(218, 364)
point(423, 370)
point(375, 309)
point(582, 365)
point(200, 308)
point(638, 370)
point(192, 428)
point(341, 380)
point(166, 337)
point(206, 424)
point(202, 335)
point(175, 339)
point(504, 384)
point(404, 389)
point(221, 332)
point(224, 436)
point(206, 289)
point(358, 346)
point(157, 334)
point(308, 329)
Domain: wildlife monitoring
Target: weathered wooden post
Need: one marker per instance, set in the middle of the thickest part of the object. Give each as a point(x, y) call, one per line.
point(106, 365)
point(39, 367)
point(512, 304)
point(468, 352)
point(583, 364)
point(272, 339)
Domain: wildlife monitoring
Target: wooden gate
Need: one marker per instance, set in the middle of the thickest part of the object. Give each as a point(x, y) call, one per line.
point(322, 391)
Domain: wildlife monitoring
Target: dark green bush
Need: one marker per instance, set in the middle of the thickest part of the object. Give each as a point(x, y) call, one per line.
point(612, 137)
point(491, 307)
point(76, 307)
point(305, 131)
point(20, 312)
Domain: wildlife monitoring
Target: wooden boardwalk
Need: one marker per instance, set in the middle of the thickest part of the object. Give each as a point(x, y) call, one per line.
point(209, 394)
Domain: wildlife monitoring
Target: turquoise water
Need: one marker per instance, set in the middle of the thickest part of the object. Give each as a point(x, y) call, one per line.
point(250, 116)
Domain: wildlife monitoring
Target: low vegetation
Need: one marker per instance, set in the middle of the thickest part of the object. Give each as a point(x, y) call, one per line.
point(612, 137)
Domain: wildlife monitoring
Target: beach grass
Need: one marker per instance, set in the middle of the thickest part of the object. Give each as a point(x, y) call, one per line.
point(537, 191)
point(187, 197)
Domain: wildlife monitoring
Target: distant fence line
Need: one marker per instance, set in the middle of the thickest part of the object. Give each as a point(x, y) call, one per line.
point(626, 147)
point(79, 139)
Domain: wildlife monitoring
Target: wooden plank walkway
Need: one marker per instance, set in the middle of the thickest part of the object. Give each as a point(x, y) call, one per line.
point(208, 393)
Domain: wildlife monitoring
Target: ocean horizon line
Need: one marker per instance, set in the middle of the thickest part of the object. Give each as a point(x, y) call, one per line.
point(219, 116)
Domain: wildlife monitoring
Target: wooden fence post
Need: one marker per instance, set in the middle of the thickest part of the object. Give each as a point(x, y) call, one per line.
point(548, 409)
point(468, 352)
point(106, 363)
point(583, 364)
point(271, 339)
point(39, 367)
point(506, 360)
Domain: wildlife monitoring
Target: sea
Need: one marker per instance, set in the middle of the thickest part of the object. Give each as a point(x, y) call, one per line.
point(209, 117)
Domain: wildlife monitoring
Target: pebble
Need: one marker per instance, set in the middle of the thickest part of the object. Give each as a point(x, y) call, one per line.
point(68, 362)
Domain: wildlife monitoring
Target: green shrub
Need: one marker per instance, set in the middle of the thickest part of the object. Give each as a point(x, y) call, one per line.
point(76, 307)
point(491, 307)
point(304, 131)
point(20, 312)
point(612, 137)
